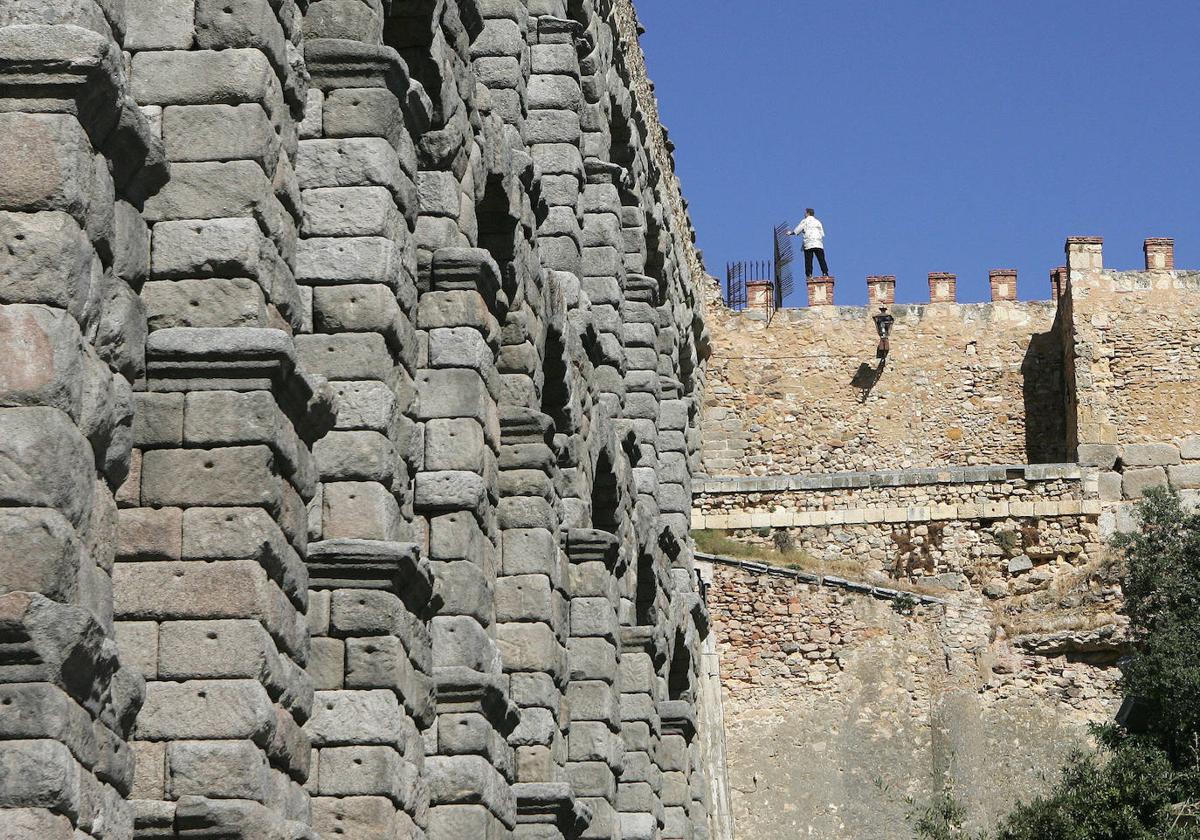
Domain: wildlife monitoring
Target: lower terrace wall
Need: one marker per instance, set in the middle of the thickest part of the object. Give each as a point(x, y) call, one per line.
point(1006, 530)
point(843, 694)
point(962, 384)
point(839, 703)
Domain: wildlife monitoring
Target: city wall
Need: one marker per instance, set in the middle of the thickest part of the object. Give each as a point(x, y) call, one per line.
point(348, 412)
point(1133, 374)
point(947, 611)
point(805, 393)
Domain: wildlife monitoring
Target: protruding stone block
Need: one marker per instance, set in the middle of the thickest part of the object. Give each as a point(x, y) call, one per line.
point(1138, 481)
point(1160, 254)
point(820, 291)
point(1003, 282)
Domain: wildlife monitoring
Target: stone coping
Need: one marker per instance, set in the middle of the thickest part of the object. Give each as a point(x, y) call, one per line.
point(782, 518)
point(888, 478)
point(832, 581)
point(1144, 280)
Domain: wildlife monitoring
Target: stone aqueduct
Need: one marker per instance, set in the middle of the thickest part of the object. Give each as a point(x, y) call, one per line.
point(348, 412)
point(353, 358)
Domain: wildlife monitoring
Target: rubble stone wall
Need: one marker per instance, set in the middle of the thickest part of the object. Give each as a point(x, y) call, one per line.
point(1012, 530)
point(842, 701)
point(349, 413)
point(804, 392)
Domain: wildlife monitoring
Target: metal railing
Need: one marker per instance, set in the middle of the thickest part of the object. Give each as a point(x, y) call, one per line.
point(776, 271)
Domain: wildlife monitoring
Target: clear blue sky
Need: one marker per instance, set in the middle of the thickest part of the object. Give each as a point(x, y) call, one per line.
point(933, 135)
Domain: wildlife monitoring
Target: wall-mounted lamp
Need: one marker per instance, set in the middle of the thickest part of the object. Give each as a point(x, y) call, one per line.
point(883, 325)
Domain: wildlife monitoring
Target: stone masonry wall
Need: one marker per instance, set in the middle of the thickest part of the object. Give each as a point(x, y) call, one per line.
point(1027, 543)
point(1134, 370)
point(839, 703)
point(952, 613)
point(805, 393)
point(348, 419)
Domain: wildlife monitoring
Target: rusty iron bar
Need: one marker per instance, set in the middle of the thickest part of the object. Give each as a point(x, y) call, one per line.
point(784, 256)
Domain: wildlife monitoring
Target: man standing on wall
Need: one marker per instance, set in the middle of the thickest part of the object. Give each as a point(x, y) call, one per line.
point(814, 242)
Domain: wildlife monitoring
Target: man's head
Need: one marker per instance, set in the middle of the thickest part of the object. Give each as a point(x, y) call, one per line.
point(810, 212)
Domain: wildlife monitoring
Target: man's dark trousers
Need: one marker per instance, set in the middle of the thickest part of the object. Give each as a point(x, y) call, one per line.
point(808, 258)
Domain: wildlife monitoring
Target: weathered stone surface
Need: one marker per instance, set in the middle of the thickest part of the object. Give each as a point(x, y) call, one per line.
point(364, 405)
point(345, 356)
point(1149, 454)
point(1137, 482)
point(236, 476)
point(57, 168)
point(205, 77)
point(357, 308)
point(355, 456)
point(213, 248)
point(344, 261)
point(212, 190)
point(351, 162)
point(220, 133)
point(48, 365)
point(453, 444)
point(39, 552)
point(159, 25)
point(46, 462)
point(213, 302)
point(351, 211)
point(364, 112)
point(449, 490)
point(206, 709)
point(1189, 447)
point(355, 718)
point(232, 769)
point(1184, 476)
point(360, 510)
point(179, 195)
point(45, 258)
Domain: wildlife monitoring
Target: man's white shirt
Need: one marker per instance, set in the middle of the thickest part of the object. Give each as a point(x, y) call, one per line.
point(812, 231)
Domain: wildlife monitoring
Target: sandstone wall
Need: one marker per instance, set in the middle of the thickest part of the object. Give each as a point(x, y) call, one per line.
point(1134, 370)
point(949, 611)
point(841, 701)
point(348, 416)
point(804, 392)
point(1140, 358)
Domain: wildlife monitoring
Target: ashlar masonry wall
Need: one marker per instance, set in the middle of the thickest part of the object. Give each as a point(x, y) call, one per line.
point(804, 392)
point(348, 414)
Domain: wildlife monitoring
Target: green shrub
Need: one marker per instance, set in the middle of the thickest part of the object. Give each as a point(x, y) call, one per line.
point(941, 818)
point(784, 543)
point(1162, 599)
point(1010, 541)
point(1124, 793)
